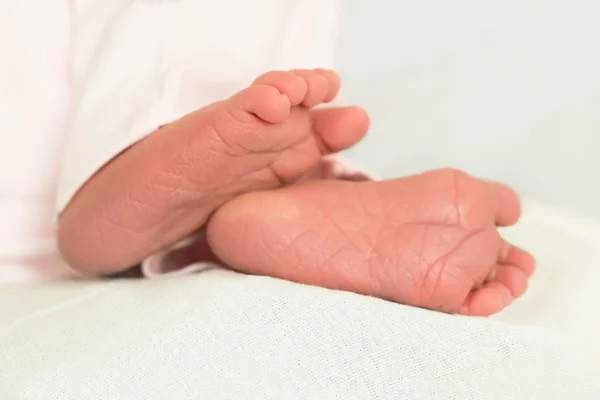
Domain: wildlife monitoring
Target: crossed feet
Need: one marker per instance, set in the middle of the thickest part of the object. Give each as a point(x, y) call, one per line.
point(428, 240)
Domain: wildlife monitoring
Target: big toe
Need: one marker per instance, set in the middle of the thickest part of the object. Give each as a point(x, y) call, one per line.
point(508, 204)
point(337, 129)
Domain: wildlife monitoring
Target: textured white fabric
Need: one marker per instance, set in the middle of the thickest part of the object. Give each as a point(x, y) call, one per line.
point(220, 335)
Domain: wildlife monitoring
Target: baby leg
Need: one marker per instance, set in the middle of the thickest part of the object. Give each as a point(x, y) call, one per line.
point(166, 186)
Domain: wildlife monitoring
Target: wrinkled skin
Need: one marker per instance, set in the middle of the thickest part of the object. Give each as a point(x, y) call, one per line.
point(428, 240)
point(166, 186)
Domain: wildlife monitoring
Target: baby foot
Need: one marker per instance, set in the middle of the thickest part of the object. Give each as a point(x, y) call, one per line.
point(266, 134)
point(428, 240)
point(165, 187)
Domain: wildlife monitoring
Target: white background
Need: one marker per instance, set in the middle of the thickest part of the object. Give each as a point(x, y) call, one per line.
point(508, 90)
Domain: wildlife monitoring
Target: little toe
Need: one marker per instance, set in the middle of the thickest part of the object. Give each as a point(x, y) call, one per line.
point(517, 257)
point(490, 299)
point(318, 86)
point(508, 205)
point(263, 101)
point(513, 278)
point(339, 128)
point(288, 83)
point(505, 283)
point(334, 83)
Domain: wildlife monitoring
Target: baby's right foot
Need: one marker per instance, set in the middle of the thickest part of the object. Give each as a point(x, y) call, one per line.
point(428, 240)
point(166, 186)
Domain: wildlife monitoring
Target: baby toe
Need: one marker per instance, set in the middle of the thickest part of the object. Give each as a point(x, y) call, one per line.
point(263, 101)
point(514, 256)
point(337, 129)
point(287, 83)
point(507, 202)
point(334, 83)
point(512, 278)
point(318, 87)
point(490, 299)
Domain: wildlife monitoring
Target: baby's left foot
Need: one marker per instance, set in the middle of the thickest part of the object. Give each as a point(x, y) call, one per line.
point(428, 240)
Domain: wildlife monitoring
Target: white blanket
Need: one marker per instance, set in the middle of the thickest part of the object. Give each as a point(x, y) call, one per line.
point(220, 335)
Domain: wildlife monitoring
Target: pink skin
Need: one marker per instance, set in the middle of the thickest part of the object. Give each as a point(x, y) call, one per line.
point(166, 186)
point(428, 240)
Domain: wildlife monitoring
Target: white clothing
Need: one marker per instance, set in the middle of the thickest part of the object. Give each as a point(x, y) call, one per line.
point(34, 100)
point(134, 66)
